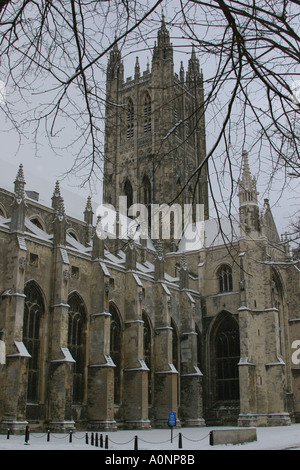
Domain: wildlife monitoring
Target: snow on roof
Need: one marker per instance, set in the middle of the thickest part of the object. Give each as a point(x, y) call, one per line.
point(36, 230)
point(210, 233)
point(4, 222)
point(74, 201)
point(76, 244)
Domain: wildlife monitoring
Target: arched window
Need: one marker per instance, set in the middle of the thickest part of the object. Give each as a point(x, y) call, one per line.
point(128, 191)
point(227, 350)
point(146, 191)
point(77, 318)
point(33, 311)
point(225, 278)
point(36, 221)
point(115, 350)
point(147, 347)
point(147, 113)
point(130, 119)
point(73, 234)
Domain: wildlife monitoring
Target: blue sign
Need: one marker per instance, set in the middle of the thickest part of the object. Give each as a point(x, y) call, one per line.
point(172, 418)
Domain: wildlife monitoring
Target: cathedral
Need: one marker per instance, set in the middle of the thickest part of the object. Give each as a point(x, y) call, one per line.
point(108, 333)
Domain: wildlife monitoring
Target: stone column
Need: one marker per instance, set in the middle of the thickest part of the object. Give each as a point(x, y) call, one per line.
point(261, 368)
point(247, 372)
point(166, 375)
point(14, 373)
point(191, 378)
point(100, 395)
point(135, 378)
point(60, 378)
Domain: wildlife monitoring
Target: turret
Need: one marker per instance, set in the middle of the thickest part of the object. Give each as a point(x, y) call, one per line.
point(56, 196)
point(193, 75)
point(115, 67)
point(163, 49)
point(18, 205)
point(88, 213)
point(59, 223)
point(248, 204)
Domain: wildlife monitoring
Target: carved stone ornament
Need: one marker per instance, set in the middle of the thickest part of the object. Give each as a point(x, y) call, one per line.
point(22, 263)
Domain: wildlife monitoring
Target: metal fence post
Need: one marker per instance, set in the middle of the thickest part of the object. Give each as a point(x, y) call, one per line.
point(26, 434)
point(180, 441)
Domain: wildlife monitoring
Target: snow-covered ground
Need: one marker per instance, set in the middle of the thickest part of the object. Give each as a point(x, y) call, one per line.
point(271, 438)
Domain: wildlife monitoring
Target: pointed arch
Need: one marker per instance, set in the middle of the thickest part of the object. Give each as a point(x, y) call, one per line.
point(38, 222)
point(115, 349)
point(225, 351)
point(146, 191)
point(76, 342)
point(224, 275)
point(128, 192)
point(34, 309)
point(147, 112)
point(73, 233)
point(129, 119)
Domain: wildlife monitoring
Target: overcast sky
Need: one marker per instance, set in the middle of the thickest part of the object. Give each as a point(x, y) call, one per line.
point(42, 166)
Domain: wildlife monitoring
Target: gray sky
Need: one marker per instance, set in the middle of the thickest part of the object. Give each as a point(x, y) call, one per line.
point(42, 166)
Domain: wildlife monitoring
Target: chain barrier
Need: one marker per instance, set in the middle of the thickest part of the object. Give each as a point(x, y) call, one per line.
point(121, 443)
point(196, 440)
point(97, 440)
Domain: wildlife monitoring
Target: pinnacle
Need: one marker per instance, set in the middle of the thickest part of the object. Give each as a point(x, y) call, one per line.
point(20, 183)
point(56, 189)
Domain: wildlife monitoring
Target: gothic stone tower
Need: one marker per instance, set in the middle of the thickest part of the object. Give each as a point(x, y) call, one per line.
point(155, 131)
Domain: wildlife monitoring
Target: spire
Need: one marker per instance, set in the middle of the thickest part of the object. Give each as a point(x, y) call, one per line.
point(88, 213)
point(19, 205)
point(193, 73)
point(114, 66)
point(246, 170)
point(247, 183)
point(181, 72)
point(19, 185)
point(61, 209)
point(59, 220)
point(56, 196)
point(163, 50)
point(137, 69)
point(248, 203)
